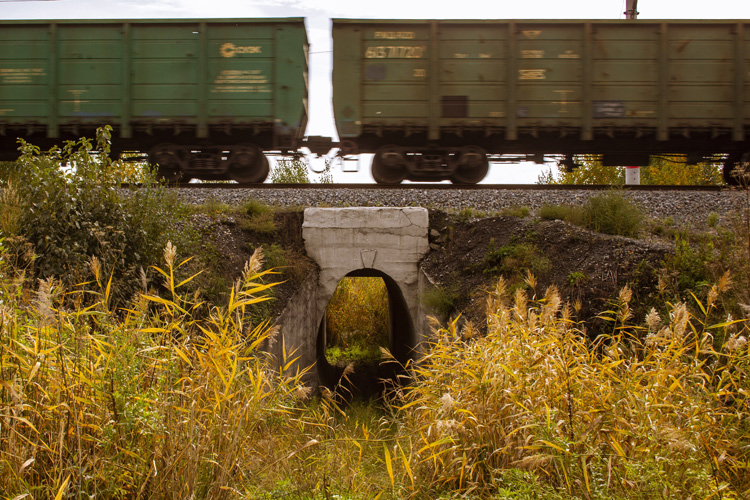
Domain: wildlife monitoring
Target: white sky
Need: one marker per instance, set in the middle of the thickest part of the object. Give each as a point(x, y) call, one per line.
point(319, 12)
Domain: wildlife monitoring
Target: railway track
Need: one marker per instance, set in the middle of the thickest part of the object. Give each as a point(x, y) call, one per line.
point(679, 205)
point(447, 187)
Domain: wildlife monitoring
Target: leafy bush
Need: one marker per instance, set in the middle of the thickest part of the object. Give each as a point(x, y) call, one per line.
point(72, 209)
point(290, 172)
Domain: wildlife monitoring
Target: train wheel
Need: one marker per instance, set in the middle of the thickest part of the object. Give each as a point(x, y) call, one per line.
point(168, 164)
point(472, 166)
point(736, 170)
point(388, 166)
point(248, 164)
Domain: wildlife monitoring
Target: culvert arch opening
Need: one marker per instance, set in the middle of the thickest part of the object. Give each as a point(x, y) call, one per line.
point(366, 315)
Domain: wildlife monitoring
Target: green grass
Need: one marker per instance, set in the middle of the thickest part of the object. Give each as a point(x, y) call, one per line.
point(611, 213)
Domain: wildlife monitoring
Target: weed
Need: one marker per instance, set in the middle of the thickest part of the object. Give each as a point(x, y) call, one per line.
point(212, 206)
point(688, 266)
point(466, 214)
point(262, 223)
point(534, 409)
point(275, 257)
point(567, 213)
point(253, 208)
point(153, 402)
point(712, 220)
point(358, 354)
point(577, 278)
point(515, 259)
point(520, 212)
point(440, 301)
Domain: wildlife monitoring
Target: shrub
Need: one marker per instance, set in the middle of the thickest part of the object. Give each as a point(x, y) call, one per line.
point(612, 213)
point(72, 209)
point(292, 171)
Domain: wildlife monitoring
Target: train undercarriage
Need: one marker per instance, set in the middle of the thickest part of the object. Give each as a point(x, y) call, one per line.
point(241, 163)
point(461, 165)
point(393, 164)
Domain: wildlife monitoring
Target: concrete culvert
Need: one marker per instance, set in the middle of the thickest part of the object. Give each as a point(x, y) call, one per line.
point(366, 315)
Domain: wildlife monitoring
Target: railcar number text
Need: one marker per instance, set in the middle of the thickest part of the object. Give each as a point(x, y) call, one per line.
point(395, 52)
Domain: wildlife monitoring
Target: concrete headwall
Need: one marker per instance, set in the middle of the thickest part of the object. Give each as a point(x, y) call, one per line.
point(384, 242)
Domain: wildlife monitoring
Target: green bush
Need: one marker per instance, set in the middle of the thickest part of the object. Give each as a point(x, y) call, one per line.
point(567, 213)
point(612, 213)
point(440, 301)
point(290, 172)
point(72, 210)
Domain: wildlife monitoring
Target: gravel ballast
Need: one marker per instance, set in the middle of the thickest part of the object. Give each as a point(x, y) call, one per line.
point(684, 207)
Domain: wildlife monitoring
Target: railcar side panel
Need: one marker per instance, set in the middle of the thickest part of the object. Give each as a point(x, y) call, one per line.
point(234, 81)
point(536, 87)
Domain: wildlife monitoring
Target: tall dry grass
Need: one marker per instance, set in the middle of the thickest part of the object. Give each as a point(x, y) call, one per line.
point(173, 399)
point(535, 409)
point(152, 402)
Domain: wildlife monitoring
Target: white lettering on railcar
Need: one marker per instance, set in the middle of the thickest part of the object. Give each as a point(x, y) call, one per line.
point(569, 54)
point(419, 72)
point(532, 54)
point(532, 74)
point(395, 52)
point(395, 35)
point(532, 34)
point(230, 50)
point(235, 80)
point(19, 76)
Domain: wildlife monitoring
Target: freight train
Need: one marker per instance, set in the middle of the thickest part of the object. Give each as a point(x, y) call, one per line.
point(431, 99)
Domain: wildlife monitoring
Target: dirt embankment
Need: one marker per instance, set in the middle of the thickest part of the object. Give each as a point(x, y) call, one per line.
point(467, 258)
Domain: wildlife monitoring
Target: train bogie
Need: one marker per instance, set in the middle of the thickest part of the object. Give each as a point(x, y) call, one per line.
point(621, 89)
point(205, 98)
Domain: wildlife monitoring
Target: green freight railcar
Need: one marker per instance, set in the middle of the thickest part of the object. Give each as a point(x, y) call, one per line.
point(204, 98)
point(433, 98)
